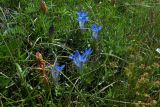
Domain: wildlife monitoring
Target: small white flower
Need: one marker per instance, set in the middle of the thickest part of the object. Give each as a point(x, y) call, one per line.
point(158, 50)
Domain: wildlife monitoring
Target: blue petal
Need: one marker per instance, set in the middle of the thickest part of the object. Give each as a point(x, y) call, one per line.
point(82, 14)
point(77, 62)
point(100, 27)
point(96, 28)
point(88, 51)
point(71, 56)
point(77, 54)
point(86, 54)
point(59, 68)
point(82, 17)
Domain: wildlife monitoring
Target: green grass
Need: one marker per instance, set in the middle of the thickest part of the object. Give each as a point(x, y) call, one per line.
point(123, 70)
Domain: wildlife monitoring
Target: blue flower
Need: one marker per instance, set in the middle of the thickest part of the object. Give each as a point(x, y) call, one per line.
point(55, 70)
point(85, 55)
point(82, 18)
point(76, 59)
point(79, 59)
point(95, 30)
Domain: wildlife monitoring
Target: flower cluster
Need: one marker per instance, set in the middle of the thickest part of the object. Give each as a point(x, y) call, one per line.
point(83, 18)
point(80, 59)
point(55, 70)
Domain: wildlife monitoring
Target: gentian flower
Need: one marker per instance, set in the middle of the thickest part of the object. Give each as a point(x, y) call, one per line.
point(86, 53)
point(76, 59)
point(80, 59)
point(158, 50)
point(55, 70)
point(95, 30)
point(82, 18)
